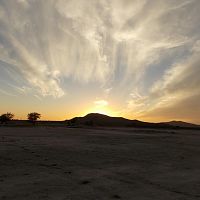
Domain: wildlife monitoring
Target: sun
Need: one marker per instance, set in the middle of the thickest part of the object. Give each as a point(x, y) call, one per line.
point(102, 110)
point(99, 106)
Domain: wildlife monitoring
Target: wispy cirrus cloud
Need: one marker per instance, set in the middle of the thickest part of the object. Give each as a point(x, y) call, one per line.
point(172, 95)
point(145, 50)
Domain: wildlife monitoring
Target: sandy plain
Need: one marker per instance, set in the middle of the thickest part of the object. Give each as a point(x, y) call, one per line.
point(99, 164)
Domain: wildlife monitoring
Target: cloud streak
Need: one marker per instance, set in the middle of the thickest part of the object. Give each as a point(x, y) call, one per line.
point(145, 50)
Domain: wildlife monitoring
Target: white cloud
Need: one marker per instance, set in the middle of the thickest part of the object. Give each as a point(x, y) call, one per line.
point(101, 103)
point(173, 91)
point(111, 43)
point(7, 93)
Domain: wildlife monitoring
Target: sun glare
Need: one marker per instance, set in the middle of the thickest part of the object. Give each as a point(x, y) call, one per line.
point(104, 111)
point(99, 106)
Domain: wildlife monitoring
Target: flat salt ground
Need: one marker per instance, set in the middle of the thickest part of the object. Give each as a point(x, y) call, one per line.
point(91, 164)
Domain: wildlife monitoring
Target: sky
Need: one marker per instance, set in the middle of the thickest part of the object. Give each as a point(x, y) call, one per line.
point(139, 59)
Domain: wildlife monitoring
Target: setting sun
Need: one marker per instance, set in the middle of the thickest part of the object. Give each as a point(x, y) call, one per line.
point(101, 107)
point(104, 111)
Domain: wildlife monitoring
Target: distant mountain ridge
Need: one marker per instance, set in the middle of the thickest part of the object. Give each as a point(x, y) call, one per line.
point(182, 124)
point(96, 119)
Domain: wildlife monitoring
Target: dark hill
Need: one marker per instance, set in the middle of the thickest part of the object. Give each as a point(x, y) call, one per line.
point(182, 124)
point(96, 119)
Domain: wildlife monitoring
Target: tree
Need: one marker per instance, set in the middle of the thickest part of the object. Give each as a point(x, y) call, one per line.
point(4, 118)
point(33, 117)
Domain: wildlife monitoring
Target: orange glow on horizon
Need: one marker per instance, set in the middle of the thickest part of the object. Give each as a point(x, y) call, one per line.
point(101, 109)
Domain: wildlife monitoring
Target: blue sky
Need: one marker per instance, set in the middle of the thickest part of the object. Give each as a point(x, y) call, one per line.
point(132, 58)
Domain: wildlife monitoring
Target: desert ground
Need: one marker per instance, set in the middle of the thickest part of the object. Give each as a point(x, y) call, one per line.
point(99, 163)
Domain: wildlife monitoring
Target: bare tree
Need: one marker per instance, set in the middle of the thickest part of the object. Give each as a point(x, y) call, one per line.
point(33, 117)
